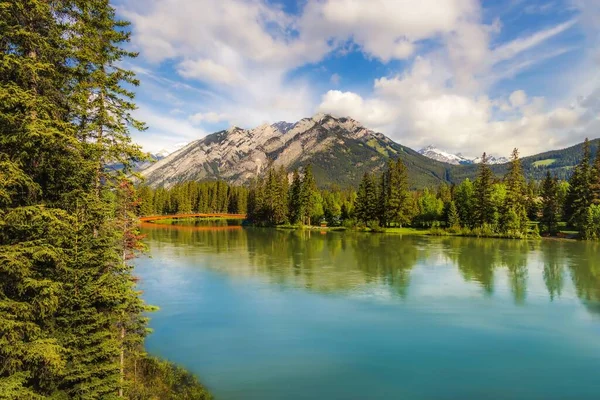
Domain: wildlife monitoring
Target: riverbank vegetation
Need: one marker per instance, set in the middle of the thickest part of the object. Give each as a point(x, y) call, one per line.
point(507, 207)
point(489, 206)
point(70, 313)
point(193, 197)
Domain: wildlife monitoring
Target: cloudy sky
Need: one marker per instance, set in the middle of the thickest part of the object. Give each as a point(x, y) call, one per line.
point(464, 75)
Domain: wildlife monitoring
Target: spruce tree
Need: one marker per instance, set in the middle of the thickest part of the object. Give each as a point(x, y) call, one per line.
point(595, 179)
point(514, 213)
point(579, 197)
point(69, 309)
point(295, 198)
point(41, 166)
point(398, 197)
point(367, 200)
point(483, 206)
point(309, 195)
point(464, 198)
point(550, 204)
point(453, 220)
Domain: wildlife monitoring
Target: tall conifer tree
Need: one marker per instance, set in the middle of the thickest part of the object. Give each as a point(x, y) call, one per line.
point(514, 213)
point(550, 204)
point(483, 203)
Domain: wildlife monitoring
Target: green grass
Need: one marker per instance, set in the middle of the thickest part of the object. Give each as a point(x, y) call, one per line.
point(407, 231)
point(544, 163)
point(171, 221)
point(380, 149)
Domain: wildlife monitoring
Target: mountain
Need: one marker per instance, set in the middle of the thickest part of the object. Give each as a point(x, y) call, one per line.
point(340, 150)
point(457, 159)
point(558, 162)
point(442, 156)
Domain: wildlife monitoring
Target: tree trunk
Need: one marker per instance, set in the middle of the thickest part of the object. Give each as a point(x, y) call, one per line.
point(122, 362)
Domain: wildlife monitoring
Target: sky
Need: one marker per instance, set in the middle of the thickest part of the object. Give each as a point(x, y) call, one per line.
point(463, 75)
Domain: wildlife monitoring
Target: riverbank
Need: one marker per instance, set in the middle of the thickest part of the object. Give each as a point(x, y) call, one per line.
point(153, 378)
point(436, 231)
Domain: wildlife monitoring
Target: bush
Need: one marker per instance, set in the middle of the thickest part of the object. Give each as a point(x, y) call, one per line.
point(162, 380)
point(374, 226)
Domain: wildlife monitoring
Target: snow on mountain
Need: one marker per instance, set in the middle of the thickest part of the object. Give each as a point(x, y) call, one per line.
point(492, 160)
point(456, 159)
point(440, 155)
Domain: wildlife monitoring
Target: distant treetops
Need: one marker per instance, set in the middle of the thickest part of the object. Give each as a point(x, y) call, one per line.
point(488, 206)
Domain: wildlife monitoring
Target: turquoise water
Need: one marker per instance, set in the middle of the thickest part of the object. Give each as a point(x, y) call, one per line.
point(265, 314)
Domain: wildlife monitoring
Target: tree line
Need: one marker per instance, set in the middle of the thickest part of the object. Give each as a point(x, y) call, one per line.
point(509, 206)
point(72, 323)
point(193, 197)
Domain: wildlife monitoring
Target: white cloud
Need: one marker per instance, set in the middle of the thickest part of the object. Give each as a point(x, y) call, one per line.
point(385, 29)
point(210, 117)
point(511, 49)
point(242, 52)
point(165, 132)
point(518, 98)
point(417, 109)
point(207, 70)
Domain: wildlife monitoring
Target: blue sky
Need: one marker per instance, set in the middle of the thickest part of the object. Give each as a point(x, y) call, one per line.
point(464, 75)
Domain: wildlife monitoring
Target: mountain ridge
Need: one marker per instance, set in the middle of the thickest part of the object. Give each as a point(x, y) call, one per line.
point(340, 149)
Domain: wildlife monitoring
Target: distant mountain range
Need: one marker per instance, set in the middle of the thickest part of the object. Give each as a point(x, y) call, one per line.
point(457, 159)
point(340, 150)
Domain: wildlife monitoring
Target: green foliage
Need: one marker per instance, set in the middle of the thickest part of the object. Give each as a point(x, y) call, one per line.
point(193, 197)
point(483, 206)
point(580, 196)
point(69, 308)
point(550, 204)
point(591, 229)
point(514, 220)
point(453, 220)
point(154, 379)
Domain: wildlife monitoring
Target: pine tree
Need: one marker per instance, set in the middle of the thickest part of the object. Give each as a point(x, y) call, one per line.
point(550, 204)
point(69, 309)
point(309, 195)
point(595, 179)
point(453, 216)
point(367, 201)
point(514, 213)
point(295, 199)
point(398, 197)
point(579, 197)
point(464, 198)
point(483, 206)
point(40, 165)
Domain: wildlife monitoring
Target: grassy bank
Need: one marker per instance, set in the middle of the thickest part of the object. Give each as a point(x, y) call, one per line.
point(171, 221)
point(154, 379)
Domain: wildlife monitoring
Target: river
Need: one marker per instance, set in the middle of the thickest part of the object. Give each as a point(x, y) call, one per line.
point(267, 314)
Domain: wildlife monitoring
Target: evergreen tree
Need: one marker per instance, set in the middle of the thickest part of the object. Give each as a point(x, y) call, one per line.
point(398, 197)
point(550, 204)
point(367, 200)
point(453, 220)
point(514, 213)
point(295, 198)
point(483, 206)
point(309, 195)
point(595, 179)
point(464, 198)
point(69, 310)
point(579, 197)
point(40, 165)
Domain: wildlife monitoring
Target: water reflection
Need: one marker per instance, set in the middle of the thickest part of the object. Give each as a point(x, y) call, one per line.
point(351, 262)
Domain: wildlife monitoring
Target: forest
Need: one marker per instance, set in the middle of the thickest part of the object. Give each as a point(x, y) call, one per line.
point(72, 322)
point(489, 206)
